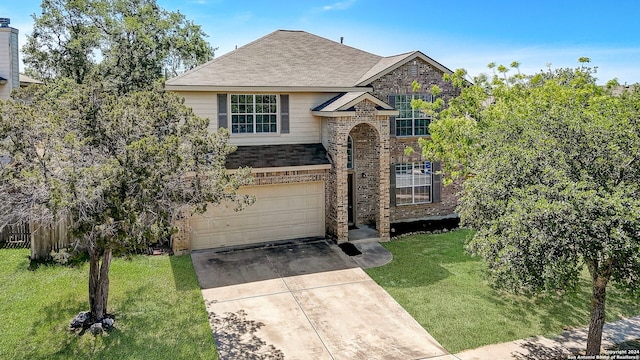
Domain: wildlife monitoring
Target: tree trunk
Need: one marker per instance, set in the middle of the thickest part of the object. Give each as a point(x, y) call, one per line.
point(594, 339)
point(98, 282)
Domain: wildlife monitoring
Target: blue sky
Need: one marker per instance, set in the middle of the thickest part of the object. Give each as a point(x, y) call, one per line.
point(458, 34)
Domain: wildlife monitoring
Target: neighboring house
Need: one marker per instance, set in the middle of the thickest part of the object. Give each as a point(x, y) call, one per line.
point(9, 71)
point(324, 127)
point(27, 80)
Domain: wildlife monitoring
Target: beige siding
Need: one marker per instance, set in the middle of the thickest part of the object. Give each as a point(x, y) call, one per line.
point(280, 212)
point(325, 133)
point(204, 104)
point(304, 128)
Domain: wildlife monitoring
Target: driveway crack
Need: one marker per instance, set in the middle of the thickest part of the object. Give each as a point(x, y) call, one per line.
point(295, 298)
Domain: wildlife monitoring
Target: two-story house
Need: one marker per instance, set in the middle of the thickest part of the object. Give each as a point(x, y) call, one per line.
point(324, 127)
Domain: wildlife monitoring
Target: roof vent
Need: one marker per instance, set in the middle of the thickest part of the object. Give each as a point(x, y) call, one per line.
point(4, 22)
point(341, 39)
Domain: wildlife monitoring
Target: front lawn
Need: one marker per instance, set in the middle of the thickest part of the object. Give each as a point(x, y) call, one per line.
point(156, 300)
point(446, 291)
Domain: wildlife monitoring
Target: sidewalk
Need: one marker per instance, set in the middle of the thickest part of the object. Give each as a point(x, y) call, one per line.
point(570, 342)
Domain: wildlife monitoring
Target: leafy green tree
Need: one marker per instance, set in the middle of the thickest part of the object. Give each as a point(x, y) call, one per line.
point(128, 43)
point(122, 168)
point(552, 169)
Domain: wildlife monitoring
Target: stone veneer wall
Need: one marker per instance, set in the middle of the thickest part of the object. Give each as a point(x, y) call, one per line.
point(181, 242)
point(399, 82)
point(337, 191)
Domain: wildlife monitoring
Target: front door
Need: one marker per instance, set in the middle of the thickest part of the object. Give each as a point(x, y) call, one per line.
point(351, 195)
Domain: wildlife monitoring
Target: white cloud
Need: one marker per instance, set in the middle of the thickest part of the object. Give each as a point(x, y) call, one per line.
point(341, 5)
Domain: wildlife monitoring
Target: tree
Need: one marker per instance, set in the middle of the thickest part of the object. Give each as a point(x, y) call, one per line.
point(122, 168)
point(129, 43)
point(552, 168)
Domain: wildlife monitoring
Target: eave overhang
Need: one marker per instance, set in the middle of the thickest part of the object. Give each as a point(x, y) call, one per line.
point(343, 105)
point(263, 89)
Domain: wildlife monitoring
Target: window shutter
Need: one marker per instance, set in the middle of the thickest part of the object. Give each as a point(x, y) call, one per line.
point(437, 181)
point(284, 114)
point(222, 111)
point(392, 119)
point(392, 185)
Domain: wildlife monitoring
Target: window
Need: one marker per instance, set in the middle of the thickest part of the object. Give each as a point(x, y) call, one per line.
point(413, 183)
point(349, 152)
point(410, 121)
point(254, 114)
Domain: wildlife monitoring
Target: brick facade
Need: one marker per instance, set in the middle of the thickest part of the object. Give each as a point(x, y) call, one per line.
point(370, 134)
point(366, 173)
point(399, 82)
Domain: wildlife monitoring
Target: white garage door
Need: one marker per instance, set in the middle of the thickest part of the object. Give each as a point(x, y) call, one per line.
point(281, 212)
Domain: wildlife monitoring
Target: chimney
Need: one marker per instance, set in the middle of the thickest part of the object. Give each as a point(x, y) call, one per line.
point(9, 70)
point(341, 39)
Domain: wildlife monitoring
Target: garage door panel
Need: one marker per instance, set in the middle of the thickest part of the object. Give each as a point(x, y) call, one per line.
point(280, 212)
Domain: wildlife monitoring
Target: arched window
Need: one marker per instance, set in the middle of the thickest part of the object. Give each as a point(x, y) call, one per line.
point(349, 152)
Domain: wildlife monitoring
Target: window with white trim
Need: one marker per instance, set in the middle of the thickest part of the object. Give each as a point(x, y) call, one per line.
point(414, 183)
point(254, 114)
point(410, 121)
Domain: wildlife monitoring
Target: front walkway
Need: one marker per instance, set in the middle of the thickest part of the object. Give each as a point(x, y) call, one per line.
point(570, 342)
point(305, 301)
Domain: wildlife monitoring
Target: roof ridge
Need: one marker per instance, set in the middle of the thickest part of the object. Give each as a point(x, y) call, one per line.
point(349, 46)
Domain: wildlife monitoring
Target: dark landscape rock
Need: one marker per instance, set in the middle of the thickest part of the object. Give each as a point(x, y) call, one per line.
point(80, 320)
point(96, 328)
point(107, 323)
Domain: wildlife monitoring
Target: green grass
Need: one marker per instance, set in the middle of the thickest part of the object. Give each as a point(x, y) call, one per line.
point(627, 345)
point(156, 301)
point(446, 291)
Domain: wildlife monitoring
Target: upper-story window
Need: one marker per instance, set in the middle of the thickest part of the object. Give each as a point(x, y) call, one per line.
point(410, 121)
point(254, 114)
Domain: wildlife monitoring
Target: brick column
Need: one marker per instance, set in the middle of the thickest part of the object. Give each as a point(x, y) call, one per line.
point(342, 191)
point(384, 215)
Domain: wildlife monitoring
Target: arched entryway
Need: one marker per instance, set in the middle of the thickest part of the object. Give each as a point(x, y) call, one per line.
point(363, 176)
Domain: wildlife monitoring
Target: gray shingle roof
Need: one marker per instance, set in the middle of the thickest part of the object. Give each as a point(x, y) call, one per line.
point(268, 156)
point(284, 58)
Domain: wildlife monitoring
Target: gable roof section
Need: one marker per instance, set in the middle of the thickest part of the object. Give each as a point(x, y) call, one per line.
point(388, 64)
point(283, 59)
point(343, 105)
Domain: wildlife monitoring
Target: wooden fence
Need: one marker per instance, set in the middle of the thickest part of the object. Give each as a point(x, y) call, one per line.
point(16, 236)
point(41, 239)
point(47, 238)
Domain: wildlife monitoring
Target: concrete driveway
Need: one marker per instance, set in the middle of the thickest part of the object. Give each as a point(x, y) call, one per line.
point(305, 300)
